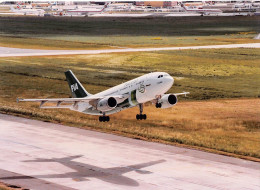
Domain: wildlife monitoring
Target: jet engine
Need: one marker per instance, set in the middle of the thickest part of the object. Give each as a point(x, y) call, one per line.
point(106, 104)
point(168, 100)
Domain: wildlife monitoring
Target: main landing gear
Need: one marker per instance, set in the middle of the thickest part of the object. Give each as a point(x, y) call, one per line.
point(158, 105)
point(104, 118)
point(141, 116)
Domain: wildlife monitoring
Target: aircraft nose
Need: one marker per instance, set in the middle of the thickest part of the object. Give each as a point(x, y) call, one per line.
point(169, 81)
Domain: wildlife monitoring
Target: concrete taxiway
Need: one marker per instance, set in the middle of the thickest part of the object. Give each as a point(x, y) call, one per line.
point(18, 52)
point(40, 155)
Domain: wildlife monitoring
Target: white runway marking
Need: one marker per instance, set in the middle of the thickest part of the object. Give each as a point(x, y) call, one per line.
point(75, 158)
point(17, 52)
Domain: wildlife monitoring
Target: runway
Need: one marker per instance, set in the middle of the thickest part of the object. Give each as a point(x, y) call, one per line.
point(18, 52)
point(40, 155)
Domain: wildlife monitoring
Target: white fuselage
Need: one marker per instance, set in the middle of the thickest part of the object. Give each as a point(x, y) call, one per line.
point(202, 11)
point(29, 11)
point(140, 90)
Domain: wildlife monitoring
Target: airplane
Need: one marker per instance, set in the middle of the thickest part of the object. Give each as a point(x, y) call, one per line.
point(83, 171)
point(19, 9)
point(201, 10)
point(147, 88)
point(87, 11)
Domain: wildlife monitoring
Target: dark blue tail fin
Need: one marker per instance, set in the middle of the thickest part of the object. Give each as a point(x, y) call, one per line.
point(76, 88)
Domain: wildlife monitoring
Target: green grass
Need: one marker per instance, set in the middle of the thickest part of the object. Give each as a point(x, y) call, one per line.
point(151, 41)
point(221, 125)
point(96, 33)
point(207, 74)
point(180, 26)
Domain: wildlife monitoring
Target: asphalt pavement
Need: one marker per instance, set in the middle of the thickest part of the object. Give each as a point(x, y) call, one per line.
point(18, 52)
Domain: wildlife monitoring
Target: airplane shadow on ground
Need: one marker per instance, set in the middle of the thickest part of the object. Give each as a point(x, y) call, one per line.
point(84, 171)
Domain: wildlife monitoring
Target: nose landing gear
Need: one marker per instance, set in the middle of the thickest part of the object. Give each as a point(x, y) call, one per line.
point(158, 104)
point(141, 116)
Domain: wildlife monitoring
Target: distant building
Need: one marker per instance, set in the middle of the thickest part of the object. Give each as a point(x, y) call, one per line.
point(139, 3)
point(39, 4)
point(159, 4)
point(167, 4)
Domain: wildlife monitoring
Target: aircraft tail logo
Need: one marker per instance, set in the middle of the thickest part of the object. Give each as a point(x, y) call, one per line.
point(74, 87)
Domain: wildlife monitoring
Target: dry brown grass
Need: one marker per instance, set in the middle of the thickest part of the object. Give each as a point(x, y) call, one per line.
point(38, 43)
point(229, 125)
point(4, 186)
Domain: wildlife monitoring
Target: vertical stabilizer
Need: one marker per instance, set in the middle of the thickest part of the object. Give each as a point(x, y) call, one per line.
point(76, 88)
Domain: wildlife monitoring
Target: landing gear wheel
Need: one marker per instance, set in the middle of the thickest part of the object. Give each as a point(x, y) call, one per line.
point(141, 116)
point(104, 118)
point(158, 105)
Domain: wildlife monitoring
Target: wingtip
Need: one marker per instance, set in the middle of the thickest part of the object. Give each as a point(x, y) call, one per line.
point(18, 100)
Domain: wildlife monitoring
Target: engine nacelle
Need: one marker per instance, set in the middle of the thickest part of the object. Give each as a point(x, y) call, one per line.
point(106, 104)
point(168, 100)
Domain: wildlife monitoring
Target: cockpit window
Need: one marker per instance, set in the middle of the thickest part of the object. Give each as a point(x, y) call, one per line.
point(160, 76)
